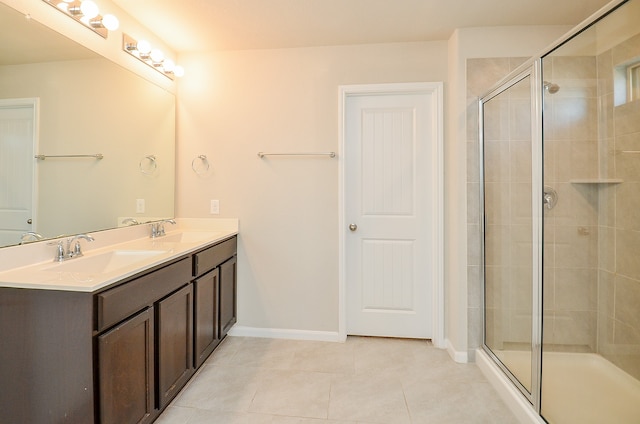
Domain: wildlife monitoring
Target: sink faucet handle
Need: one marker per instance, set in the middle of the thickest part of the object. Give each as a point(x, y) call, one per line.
point(77, 248)
point(59, 256)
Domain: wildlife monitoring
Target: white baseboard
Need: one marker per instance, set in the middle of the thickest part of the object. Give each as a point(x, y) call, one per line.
point(458, 356)
point(283, 333)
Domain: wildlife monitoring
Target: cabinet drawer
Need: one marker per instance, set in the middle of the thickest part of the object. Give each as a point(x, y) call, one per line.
point(210, 258)
point(118, 303)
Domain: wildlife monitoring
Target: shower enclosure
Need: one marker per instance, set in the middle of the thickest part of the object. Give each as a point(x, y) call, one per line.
point(560, 165)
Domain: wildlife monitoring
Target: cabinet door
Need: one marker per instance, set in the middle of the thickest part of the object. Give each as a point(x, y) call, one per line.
point(228, 293)
point(174, 340)
point(206, 336)
point(125, 374)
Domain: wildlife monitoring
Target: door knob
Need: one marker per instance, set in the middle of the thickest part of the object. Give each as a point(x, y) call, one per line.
point(29, 221)
point(353, 227)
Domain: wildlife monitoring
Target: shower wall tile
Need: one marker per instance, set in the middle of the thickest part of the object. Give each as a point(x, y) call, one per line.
point(576, 289)
point(473, 203)
point(497, 203)
point(626, 50)
point(497, 292)
point(549, 289)
point(520, 289)
point(473, 162)
point(521, 160)
point(473, 244)
point(627, 203)
point(575, 328)
point(584, 158)
point(497, 164)
point(472, 120)
point(483, 73)
point(604, 63)
point(496, 118)
point(574, 67)
point(520, 203)
point(498, 245)
point(474, 287)
point(626, 118)
point(576, 248)
point(605, 116)
point(607, 249)
point(607, 205)
point(627, 300)
point(627, 257)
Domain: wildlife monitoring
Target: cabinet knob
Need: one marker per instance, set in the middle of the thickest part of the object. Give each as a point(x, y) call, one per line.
point(353, 227)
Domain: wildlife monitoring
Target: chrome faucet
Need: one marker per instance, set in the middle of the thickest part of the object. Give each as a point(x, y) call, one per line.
point(77, 249)
point(157, 228)
point(30, 236)
point(73, 250)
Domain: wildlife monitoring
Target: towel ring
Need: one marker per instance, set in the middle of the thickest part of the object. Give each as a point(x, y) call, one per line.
point(204, 168)
point(151, 168)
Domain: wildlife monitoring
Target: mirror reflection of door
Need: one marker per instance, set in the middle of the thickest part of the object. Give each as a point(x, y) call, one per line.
point(17, 141)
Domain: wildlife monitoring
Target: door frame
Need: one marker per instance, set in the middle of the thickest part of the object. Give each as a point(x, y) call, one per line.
point(34, 103)
point(436, 176)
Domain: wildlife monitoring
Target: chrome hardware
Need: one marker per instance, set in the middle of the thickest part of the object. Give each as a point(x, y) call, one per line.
point(157, 228)
point(130, 221)
point(353, 227)
point(30, 236)
point(77, 249)
point(59, 256)
point(29, 221)
point(550, 197)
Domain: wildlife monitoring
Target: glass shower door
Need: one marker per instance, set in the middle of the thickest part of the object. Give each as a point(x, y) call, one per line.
point(509, 277)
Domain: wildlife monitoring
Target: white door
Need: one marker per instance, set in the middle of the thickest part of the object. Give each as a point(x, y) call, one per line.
point(390, 207)
point(16, 169)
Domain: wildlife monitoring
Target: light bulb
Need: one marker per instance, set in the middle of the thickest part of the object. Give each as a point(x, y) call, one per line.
point(156, 55)
point(143, 47)
point(178, 71)
point(168, 65)
point(89, 9)
point(110, 22)
point(62, 6)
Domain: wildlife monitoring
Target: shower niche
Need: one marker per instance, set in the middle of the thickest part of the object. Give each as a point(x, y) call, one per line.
point(560, 177)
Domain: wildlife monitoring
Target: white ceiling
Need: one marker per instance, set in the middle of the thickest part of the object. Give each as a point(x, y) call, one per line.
point(203, 25)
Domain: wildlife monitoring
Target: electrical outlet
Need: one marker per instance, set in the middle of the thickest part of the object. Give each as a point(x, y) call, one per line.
point(215, 207)
point(139, 205)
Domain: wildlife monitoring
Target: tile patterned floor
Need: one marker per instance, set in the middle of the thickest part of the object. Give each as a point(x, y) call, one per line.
point(362, 381)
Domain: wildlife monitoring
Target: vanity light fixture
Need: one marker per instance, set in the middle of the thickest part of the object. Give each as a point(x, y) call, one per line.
point(87, 13)
point(143, 51)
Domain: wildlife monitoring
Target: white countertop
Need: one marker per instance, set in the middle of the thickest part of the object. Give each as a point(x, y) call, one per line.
point(113, 255)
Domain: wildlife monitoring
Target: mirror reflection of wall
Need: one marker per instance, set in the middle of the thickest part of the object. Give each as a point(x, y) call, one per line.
point(87, 105)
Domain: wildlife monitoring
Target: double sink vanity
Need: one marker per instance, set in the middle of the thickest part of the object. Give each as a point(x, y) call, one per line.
point(113, 335)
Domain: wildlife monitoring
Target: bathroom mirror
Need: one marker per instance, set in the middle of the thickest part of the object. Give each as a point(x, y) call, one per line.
point(62, 100)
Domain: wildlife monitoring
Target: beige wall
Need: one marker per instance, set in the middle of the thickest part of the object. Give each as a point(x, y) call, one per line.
point(235, 104)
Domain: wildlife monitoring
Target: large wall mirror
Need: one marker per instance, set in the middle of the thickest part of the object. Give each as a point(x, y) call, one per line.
point(62, 100)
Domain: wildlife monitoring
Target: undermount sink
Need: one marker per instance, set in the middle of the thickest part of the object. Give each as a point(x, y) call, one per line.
point(105, 262)
point(190, 236)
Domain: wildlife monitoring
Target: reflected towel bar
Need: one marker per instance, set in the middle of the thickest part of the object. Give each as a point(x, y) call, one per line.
point(330, 154)
point(43, 157)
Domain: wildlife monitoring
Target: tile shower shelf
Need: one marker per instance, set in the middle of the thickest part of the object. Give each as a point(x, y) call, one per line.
point(597, 181)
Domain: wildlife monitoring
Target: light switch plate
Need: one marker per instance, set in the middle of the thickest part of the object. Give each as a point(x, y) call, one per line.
point(139, 205)
point(215, 207)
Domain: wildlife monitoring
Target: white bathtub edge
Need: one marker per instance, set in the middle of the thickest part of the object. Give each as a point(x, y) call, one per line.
point(520, 407)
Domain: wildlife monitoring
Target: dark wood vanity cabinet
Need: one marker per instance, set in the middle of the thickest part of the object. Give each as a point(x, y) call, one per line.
point(126, 371)
point(119, 355)
point(146, 358)
point(215, 296)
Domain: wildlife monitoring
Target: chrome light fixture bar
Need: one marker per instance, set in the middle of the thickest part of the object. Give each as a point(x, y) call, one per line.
point(87, 13)
point(143, 51)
